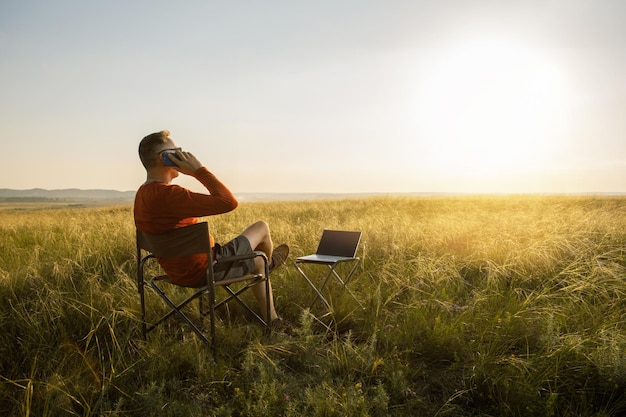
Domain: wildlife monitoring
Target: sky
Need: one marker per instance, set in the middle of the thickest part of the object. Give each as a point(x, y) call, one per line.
point(341, 96)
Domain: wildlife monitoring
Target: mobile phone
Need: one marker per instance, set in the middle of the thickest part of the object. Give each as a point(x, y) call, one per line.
point(165, 156)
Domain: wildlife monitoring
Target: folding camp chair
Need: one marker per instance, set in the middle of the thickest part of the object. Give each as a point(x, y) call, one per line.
point(187, 241)
point(335, 248)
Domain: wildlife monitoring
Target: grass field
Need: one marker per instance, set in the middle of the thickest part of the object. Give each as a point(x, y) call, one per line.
point(475, 306)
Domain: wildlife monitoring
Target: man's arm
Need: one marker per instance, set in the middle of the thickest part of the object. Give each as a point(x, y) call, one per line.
point(220, 198)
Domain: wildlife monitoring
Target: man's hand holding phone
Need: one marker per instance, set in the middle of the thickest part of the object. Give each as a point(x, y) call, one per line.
point(184, 162)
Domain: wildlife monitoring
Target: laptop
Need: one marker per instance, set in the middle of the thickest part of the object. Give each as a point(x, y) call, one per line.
point(334, 246)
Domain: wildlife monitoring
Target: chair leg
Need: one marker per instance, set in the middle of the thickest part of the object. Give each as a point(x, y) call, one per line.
point(176, 309)
point(142, 298)
point(212, 320)
point(234, 295)
point(268, 317)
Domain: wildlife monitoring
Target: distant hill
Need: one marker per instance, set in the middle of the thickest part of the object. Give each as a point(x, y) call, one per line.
point(74, 195)
point(66, 195)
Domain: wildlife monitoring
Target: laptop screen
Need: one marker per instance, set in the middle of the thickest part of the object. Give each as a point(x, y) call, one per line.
point(339, 243)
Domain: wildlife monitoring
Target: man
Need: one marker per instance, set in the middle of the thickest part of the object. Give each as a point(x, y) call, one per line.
point(161, 206)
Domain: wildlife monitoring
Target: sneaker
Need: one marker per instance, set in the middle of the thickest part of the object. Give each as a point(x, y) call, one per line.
point(279, 256)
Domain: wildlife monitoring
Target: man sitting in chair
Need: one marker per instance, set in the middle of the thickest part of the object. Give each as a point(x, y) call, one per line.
point(161, 206)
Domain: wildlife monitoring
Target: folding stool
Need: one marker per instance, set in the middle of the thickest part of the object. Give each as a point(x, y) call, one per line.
point(336, 247)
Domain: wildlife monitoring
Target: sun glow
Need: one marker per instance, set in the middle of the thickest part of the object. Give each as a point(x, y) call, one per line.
point(491, 108)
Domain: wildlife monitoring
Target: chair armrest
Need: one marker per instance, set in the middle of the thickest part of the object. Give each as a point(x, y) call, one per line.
point(242, 257)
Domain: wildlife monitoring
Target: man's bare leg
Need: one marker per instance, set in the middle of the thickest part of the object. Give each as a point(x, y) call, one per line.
point(258, 234)
point(259, 293)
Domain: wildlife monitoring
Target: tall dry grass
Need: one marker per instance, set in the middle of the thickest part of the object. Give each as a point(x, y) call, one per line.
point(474, 306)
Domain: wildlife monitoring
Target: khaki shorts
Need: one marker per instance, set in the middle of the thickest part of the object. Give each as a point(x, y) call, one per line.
point(238, 246)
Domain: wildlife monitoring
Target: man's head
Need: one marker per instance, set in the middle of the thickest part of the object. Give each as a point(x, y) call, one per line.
point(151, 147)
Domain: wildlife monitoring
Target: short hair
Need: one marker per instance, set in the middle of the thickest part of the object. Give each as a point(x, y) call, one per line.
point(149, 145)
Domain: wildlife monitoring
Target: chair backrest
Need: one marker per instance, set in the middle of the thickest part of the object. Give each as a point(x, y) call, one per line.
point(339, 243)
point(183, 241)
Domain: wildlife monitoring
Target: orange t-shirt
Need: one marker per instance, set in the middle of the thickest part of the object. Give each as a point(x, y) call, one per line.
point(161, 207)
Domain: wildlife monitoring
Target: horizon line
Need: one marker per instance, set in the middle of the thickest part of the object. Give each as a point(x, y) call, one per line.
point(104, 190)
